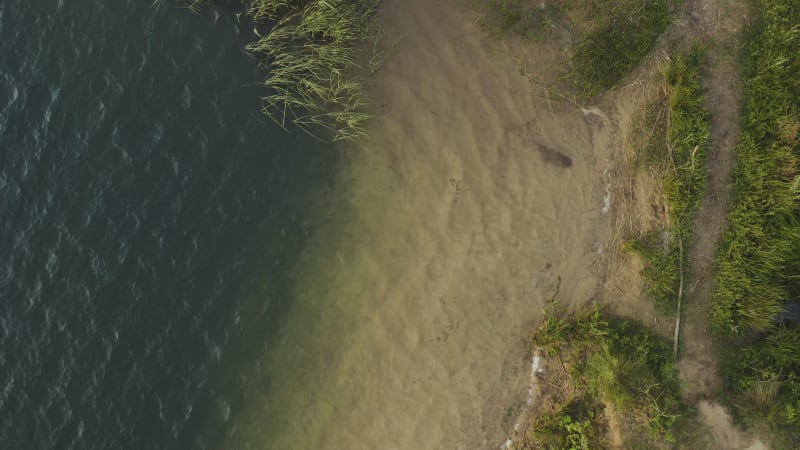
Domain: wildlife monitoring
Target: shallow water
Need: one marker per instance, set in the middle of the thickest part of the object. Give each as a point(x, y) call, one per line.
point(183, 275)
point(455, 222)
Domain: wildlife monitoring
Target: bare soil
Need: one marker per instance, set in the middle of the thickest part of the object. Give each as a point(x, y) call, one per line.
point(723, 93)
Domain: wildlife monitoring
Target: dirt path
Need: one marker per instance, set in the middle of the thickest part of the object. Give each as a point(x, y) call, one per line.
point(719, 26)
point(718, 22)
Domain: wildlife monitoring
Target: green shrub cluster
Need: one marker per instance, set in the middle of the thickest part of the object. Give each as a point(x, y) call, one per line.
point(758, 265)
point(614, 362)
point(577, 425)
point(685, 131)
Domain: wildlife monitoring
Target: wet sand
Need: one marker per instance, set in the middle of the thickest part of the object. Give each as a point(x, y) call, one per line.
point(448, 229)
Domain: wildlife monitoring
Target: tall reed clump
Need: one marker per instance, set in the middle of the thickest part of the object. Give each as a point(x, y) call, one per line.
point(607, 362)
point(758, 265)
point(194, 5)
point(311, 51)
point(685, 131)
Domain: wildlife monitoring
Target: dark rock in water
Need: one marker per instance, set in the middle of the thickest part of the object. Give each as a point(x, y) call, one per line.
point(790, 314)
point(555, 157)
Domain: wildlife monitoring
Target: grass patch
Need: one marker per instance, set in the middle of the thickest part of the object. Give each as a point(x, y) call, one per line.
point(523, 18)
point(313, 52)
point(650, 137)
point(758, 264)
point(609, 37)
point(662, 266)
point(609, 362)
point(676, 147)
point(624, 33)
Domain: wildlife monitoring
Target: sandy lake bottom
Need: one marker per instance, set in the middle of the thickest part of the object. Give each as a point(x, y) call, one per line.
point(452, 225)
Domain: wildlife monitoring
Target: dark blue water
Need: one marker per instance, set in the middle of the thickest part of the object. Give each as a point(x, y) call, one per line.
point(149, 221)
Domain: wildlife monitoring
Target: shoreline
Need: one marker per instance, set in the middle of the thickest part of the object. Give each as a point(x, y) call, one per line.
point(454, 219)
point(478, 195)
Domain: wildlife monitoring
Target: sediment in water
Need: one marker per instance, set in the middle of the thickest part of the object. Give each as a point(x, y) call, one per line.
point(447, 231)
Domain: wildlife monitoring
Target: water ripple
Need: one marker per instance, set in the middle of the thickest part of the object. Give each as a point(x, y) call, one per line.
point(136, 185)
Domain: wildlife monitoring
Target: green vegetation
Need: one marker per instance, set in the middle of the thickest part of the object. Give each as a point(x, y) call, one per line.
point(613, 36)
point(523, 18)
point(662, 267)
point(624, 33)
point(576, 425)
point(610, 363)
point(676, 147)
point(313, 52)
point(759, 262)
point(758, 265)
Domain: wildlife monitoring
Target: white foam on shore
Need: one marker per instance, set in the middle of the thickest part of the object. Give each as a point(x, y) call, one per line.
point(535, 370)
point(596, 111)
point(537, 359)
point(606, 198)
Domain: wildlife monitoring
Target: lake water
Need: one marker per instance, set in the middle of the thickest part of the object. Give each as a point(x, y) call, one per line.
point(151, 221)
